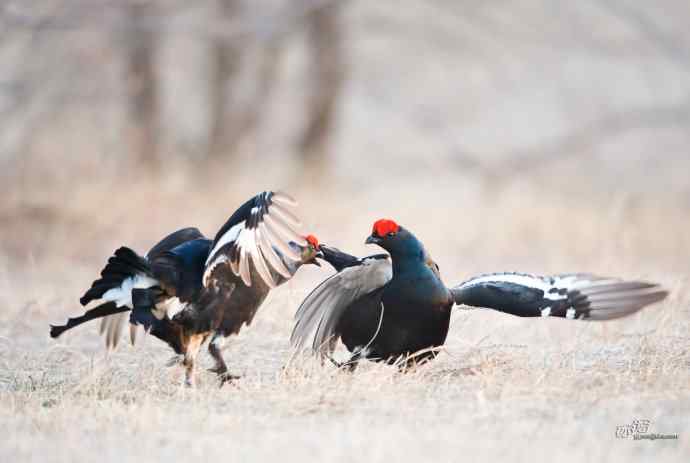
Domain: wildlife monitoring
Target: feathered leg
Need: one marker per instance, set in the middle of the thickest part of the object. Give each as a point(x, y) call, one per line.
point(192, 350)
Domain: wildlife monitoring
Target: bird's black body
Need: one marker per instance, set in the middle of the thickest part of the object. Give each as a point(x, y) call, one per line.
point(407, 326)
point(416, 309)
point(384, 309)
point(409, 314)
point(189, 288)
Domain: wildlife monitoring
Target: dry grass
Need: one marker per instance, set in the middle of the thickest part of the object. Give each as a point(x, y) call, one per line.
point(503, 387)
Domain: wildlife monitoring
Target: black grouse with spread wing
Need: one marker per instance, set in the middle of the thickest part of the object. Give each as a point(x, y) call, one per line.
point(387, 307)
point(189, 288)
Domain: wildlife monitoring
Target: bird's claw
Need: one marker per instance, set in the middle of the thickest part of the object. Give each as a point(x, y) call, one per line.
point(227, 378)
point(349, 365)
point(334, 361)
point(174, 361)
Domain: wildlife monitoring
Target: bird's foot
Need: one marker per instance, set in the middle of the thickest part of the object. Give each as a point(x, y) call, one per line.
point(174, 361)
point(227, 378)
point(189, 383)
point(349, 366)
point(334, 361)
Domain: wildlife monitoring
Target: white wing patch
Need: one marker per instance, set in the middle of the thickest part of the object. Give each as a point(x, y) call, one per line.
point(578, 295)
point(262, 239)
point(529, 281)
point(229, 236)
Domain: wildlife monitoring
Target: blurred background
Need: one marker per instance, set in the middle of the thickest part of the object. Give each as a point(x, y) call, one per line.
point(533, 135)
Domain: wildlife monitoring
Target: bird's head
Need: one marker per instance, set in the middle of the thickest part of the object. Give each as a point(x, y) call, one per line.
point(311, 251)
point(392, 237)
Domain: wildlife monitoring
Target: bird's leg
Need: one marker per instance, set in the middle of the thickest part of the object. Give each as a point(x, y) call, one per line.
point(221, 369)
point(350, 364)
point(214, 349)
point(353, 361)
point(193, 346)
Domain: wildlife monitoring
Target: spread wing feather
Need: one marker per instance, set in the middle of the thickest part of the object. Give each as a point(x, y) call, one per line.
point(574, 296)
point(318, 316)
point(252, 234)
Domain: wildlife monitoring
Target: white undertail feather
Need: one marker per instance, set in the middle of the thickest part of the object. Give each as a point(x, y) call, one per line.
point(122, 295)
point(112, 325)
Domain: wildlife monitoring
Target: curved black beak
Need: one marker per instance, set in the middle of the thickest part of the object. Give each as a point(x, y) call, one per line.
point(373, 239)
point(318, 255)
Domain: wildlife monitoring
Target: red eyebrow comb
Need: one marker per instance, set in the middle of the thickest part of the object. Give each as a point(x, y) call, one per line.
point(311, 239)
point(383, 227)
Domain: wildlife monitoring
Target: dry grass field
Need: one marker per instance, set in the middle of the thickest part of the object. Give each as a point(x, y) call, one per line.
point(504, 387)
point(532, 136)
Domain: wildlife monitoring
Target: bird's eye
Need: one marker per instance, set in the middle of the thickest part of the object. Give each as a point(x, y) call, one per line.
point(391, 234)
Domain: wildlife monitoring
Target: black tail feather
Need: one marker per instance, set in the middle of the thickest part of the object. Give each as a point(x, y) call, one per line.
point(132, 259)
point(103, 310)
point(124, 264)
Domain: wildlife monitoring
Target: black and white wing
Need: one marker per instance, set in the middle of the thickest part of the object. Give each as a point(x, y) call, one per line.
point(318, 316)
point(573, 296)
point(258, 233)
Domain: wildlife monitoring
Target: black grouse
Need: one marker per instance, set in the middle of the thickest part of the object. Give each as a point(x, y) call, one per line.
point(189, 288)
point(395, 308)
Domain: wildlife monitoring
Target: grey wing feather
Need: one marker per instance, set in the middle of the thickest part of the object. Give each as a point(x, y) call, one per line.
point(318, 316)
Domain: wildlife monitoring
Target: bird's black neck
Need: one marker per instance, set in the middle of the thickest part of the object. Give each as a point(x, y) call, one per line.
point(407, 262)
point(407, 256)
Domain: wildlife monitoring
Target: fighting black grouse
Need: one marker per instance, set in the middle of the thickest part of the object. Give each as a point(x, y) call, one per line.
point(189, 288)
point(394, 307)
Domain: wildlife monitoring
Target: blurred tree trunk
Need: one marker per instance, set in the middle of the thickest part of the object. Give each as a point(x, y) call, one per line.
point(231, 121)
point(327, 70)
point(141, 82)
point(226, 56)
